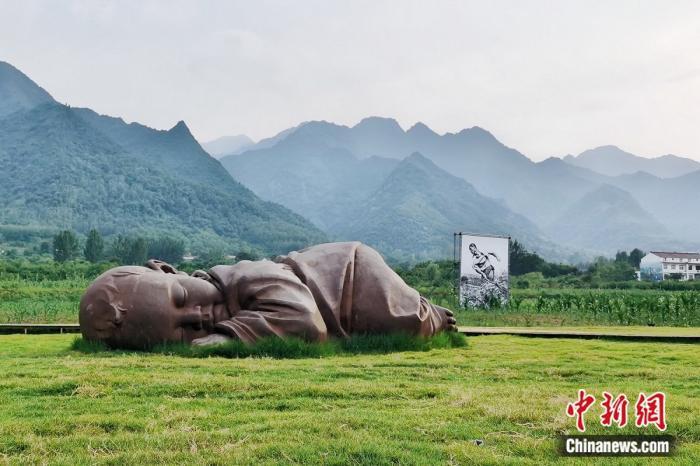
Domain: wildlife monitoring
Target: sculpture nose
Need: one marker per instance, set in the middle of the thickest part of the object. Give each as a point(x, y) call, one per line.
point(193, 317)
point(118, 315)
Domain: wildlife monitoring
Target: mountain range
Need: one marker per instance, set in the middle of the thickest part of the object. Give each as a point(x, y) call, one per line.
point(538, 191)
point(67, 167)
point(418, 205)
point(335, 175)
point(402, 191)
point(613, 161)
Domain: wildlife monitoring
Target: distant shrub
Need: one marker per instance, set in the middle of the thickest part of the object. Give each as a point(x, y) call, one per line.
point(166, 249)
point(94, 246)
point(65, 246)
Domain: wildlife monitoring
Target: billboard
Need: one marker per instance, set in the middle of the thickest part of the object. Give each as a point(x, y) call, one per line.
point(483, 269)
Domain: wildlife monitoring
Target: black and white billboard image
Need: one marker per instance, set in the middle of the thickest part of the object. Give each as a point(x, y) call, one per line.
point(483, 270)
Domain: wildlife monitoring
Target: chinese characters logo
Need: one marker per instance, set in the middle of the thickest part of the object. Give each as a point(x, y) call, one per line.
point(648, 410)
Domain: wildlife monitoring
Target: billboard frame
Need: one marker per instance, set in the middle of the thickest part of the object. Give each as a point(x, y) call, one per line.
point(457, 258)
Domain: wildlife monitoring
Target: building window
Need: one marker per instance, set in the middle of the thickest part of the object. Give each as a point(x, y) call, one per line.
point(665, 266)
point(673, 266)
point(681, 267)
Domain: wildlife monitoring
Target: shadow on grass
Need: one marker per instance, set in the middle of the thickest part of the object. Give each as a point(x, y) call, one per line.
point(294, 348)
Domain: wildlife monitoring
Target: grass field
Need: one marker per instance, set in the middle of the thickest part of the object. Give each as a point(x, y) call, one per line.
point(611, 330)
point(65, 406)
point(40, 301)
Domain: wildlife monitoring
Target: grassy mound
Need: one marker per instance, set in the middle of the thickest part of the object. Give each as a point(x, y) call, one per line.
point(294, 348)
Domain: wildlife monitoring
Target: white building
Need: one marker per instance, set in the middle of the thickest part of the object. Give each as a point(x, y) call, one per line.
point(658, 265)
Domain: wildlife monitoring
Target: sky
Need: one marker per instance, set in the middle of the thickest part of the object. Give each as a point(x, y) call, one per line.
point(548, 78)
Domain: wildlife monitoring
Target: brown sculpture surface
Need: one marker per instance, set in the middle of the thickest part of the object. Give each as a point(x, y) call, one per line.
point(333, 289)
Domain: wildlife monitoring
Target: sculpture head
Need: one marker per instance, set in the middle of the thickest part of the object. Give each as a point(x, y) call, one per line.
point(473, 249)
point(138, 307)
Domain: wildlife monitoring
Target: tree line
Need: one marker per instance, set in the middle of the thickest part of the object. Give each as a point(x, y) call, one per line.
point(125, 250)
point(136, 250)
point(621, 268)
point(527, 269)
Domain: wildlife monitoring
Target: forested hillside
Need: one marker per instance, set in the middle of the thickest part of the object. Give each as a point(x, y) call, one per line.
point(71, 168)
point(417, 208)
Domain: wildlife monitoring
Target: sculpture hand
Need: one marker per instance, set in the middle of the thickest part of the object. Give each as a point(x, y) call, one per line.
point(213, 339)
point(451, 321)
point(155, 264)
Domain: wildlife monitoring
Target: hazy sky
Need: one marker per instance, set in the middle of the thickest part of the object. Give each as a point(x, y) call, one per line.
point(546, 77)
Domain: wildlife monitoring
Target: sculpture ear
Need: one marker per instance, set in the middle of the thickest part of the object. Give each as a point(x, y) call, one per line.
point(201, 274)
point(155, 264)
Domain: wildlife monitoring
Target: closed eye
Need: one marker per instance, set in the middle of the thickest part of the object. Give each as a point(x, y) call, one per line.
point(179, 295)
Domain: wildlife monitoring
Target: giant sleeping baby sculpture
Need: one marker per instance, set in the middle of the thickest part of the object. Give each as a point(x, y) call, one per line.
point(328, 290)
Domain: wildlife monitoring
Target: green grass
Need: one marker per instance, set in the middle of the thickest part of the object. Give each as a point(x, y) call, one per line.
point(291, 348)
point(617, 330)
point(40, 301)
point(65, 406)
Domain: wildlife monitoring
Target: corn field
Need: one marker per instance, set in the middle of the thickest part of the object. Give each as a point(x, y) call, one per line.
point(40, 301)
point(49, 301)
point(580, 306)
point(634, 307)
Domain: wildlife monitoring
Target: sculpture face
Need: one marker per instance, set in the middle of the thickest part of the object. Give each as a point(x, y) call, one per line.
point(151, 307)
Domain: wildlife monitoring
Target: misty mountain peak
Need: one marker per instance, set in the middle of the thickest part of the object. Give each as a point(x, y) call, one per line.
point(607, 152)
point(18, 92)
point(607, 147)
point(181, 132)
point(477, 133)
point(421, 129)
point(551, 161)
point(375, 123)
point(608, 193)
point(612, 161)
point(419, 159)
point(180, 128)
point(316, 126)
